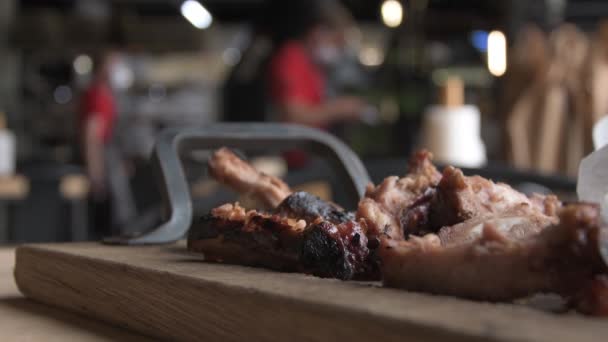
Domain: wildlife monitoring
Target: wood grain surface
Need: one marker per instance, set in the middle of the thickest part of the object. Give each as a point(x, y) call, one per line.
point(165, 292)
point(22, 319)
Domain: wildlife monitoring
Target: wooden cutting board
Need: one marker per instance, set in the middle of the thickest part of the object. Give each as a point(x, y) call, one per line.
point(169, 293)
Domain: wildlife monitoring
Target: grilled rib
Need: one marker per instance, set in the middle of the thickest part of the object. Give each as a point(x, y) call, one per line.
point(322, 248)
point(239, 175)
point(466, 236)
point(496, 267)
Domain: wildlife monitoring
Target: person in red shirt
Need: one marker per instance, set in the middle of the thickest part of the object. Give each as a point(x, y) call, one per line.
point(113, 202)
point(308, 38)
point(96, 121)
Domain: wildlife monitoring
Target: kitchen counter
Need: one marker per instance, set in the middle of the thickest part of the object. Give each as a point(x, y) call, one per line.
point(26, 320)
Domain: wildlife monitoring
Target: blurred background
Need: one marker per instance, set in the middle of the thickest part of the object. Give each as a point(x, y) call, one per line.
point(506, 89)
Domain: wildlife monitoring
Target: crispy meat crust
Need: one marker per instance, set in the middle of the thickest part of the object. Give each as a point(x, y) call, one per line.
point(305, 206)
point(322, 248)
point(384, 204)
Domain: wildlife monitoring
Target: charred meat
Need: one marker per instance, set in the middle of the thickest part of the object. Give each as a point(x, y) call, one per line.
point(303, 205)
point(231, 234)
point(442, 233)
point(273, 193)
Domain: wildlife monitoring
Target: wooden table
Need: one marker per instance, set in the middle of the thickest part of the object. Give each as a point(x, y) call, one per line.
point(26, 320)
point(168, 292)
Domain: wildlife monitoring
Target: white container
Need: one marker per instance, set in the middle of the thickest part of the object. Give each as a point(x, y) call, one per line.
point(453, 135)
point(7, 150)
point(451, 130)
point(600, 133)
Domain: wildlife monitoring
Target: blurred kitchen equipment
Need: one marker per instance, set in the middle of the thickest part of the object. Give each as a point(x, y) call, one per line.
point(451, 129)
point(597, 75)
point(600, 133)
point(571, 49)
point(593, 172)
point(593, 180)
point(267, 137)
point(523, 83)
point(567, 75)
point(7, 149)
point(12, 191)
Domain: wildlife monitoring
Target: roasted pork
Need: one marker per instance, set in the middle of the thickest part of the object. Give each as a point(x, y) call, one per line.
point(459, 198)
point(385, 204)
point(442, 233)
point(560, 259)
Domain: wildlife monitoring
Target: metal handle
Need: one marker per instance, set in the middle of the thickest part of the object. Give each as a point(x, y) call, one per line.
point(246, 136)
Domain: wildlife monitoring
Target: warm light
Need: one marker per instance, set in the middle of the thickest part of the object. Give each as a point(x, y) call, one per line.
point(497, 53)
point(83, 64)
point(392, 13)
point(371, 56)
point(196, 14)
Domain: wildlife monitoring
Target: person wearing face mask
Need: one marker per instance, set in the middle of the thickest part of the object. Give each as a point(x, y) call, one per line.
point(112, 202)
point(96, 121)
point(308, 39)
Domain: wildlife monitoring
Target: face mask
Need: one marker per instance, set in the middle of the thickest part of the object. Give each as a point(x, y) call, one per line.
point(121, 76)
point(327, 54)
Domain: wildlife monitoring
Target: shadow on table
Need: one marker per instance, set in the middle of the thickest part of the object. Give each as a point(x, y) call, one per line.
point(66, 320)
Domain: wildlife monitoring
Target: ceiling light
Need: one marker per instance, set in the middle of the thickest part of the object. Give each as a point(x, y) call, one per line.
point(497, 53)
point(196, 14)
point(83, 64)
point(392, 13)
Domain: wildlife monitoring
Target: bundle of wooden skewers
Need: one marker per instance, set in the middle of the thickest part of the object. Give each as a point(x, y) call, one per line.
point(556, 88)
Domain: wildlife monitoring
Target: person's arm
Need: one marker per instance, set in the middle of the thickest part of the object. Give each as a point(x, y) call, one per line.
point(345, 108)
point(94, 154)
point(291, 85)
